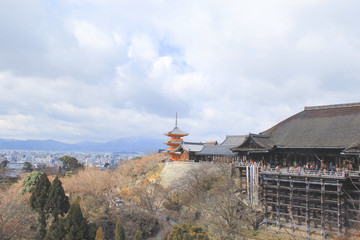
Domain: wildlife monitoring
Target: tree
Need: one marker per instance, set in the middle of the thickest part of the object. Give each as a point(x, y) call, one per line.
point(188, 232)
point(100, 234)
point(16, 217)
point(57, 202)
point(76, 226)
point(119, 230)
point(150, 195)
point(138, 235)
point(28, 167)
point(3, 164)
point(38, 200)
point(70, 163)
point(56, 231)
point(40, 192)
point(30, 181)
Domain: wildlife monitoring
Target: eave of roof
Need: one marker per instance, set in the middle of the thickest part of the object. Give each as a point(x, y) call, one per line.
point(191, 146)
point(177, 131)
point(233, 140)
point(215, 150)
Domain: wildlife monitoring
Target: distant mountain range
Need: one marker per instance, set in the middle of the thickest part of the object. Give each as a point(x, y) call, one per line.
point(121, 145)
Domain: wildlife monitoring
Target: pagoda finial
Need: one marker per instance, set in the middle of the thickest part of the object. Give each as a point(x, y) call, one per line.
point(176, 120)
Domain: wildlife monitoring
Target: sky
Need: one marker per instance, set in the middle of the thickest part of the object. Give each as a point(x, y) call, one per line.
point(98, 70)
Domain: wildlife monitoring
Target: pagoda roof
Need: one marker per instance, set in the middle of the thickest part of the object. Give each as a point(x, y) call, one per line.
point(177, 131)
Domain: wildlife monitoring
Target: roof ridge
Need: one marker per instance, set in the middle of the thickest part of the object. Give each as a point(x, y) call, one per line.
point(235, 135)
point(357, 104)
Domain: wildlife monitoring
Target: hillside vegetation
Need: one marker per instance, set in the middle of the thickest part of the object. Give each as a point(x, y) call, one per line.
point(149, 197)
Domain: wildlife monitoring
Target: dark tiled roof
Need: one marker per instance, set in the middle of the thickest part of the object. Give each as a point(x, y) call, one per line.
point(353, 148)
point(191, 146)
point(331, 126)
point(177, 131)
point(213, 150)
point(255, 142)
point(233, 140)
point(322, 126)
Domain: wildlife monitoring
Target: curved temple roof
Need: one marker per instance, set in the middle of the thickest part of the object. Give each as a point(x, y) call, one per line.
point(330, 126)
point(177, 131)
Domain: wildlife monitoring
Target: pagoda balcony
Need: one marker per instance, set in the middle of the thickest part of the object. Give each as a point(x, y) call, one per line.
point(173, 153)
point(173, 143)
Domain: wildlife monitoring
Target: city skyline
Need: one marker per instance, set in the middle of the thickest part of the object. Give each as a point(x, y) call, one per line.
point(90, 70)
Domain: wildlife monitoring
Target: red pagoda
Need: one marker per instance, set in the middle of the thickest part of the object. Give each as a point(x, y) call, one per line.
point(175, 139)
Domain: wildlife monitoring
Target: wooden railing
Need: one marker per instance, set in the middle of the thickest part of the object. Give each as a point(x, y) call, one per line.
point(340, 173)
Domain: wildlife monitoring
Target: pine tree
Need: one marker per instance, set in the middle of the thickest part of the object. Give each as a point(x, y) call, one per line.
point(100, 234)
point(138, 235)
point(37, 202)
point(76, 226)
point(57, 202)
point(119, 230)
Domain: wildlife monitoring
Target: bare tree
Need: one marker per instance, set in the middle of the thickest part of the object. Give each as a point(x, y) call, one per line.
point(16, 217)
point(149, 195)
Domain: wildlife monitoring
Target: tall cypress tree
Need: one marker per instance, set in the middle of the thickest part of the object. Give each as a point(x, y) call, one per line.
point(119, 230)
point(76, 226)
point(38, 199)
point(57, 202)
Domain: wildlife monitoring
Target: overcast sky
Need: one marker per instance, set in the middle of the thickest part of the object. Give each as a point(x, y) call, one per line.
point(97, 70)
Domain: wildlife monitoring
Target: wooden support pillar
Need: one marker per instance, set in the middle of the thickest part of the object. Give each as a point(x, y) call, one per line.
point(265, 201)
point(278, 202)
point(322, 208)
point(339, 215)
point(307, 211)
point(291, 210)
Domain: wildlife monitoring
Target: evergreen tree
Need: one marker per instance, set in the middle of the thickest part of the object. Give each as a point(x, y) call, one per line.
point(70, 163)
point(40, 192)
point(57, 202)
point(100, 234)
point(38, 200)
point(76, 226)
point(30, 181)
point(28, 167)
point(56, 231)
point(42, 226)
point(119, 230)
point(138, 235)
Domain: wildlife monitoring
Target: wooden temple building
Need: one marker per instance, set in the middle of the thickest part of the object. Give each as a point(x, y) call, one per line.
point(188, 150)
point(220, 152)
point(309, 169)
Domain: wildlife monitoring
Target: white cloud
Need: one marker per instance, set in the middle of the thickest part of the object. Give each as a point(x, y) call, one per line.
point(98, 70)
point(89, 36)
